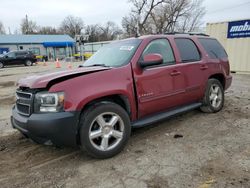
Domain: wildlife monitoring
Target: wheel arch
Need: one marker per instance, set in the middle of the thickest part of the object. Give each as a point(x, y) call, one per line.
point(220, 77)
point(119, 99)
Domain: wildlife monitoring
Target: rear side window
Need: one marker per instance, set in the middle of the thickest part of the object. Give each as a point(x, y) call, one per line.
point(188, 50)
point(213, 48)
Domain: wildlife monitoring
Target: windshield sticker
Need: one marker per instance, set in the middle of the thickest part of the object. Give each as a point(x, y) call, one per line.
point(127, 48)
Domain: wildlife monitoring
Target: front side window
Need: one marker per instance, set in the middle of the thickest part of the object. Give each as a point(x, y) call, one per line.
point(162, 47)
point(213, 48)
point(188, 50)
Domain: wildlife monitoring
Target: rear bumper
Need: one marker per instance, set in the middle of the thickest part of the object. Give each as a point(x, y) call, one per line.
point(58, 128)
point(228, 81)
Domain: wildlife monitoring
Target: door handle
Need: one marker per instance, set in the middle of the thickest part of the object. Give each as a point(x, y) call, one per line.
point(175, 73)
point(204, 67)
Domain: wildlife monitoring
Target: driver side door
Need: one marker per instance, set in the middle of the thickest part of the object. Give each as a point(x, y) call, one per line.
point(159, 87)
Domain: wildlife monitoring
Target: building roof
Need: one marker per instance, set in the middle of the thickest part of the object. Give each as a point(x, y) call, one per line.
point(35, 39)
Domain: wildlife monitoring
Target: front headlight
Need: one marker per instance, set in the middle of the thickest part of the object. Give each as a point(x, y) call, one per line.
point(49, 102)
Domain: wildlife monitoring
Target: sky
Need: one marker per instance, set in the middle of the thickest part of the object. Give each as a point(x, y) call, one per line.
point(52, 12)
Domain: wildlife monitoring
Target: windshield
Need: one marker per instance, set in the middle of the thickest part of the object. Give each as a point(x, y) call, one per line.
point(115, 54)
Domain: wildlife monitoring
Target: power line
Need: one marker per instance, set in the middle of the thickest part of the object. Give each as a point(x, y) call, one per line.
point(228, 8)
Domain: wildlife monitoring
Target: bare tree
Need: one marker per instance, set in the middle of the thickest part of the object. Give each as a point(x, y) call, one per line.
point(129, 24)
point(72, 25)
point(46, 30)
point(191, 21)
point(28, 26)
point(2, 30)
point(110, 31)
point(140, 14)
point(94, 32)
point(163, 16)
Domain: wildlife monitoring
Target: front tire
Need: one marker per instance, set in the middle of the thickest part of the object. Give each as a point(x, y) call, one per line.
point(1, 65)
point(104, 129)
point(213, 100)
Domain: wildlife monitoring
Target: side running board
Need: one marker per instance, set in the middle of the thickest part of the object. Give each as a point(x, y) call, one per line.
point(164, 115)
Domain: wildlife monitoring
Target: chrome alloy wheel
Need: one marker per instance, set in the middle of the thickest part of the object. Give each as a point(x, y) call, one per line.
point(106, 131)
point(215, 96)
point(28, 63)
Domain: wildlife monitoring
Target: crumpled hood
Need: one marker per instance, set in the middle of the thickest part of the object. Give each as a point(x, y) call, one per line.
point(41, 81)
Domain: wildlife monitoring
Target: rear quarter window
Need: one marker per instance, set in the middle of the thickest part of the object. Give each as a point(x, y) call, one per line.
point(188, 50)
point(213, 48)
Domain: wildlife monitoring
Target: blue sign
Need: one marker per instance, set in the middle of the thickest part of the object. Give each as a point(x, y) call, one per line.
point(238, 29)
point(4, 50)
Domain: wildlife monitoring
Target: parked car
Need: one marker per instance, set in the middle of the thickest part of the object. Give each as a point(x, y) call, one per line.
point(26, 58)
point(128, 83)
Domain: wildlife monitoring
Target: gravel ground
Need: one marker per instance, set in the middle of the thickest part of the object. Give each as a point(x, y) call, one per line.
point(192, 150)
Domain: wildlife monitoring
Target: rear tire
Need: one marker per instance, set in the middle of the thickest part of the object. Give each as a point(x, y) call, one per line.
point(213, 100)
point(104, 129)
point(28, 63)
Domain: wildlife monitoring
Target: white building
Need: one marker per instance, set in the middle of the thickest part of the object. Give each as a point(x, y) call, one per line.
point(235, 37)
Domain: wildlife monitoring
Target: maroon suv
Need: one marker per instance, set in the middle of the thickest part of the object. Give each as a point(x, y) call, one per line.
point(128, 83)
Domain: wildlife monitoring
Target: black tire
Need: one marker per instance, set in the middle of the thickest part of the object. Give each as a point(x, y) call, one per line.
point(89, 121)
point(1, 65)
point(28, 63)
point(213, 103)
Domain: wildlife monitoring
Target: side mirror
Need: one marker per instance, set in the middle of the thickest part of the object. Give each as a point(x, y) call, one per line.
point(151, 60)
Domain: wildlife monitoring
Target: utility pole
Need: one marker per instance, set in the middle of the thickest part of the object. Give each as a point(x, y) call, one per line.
point(138, 25)
point(27, 24)
point(9, 31)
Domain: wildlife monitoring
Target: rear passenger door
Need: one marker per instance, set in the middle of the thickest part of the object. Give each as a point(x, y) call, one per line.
point(20, 57)
point(193, 67)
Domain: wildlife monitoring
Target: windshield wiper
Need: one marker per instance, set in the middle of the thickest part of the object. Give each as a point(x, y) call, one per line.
point(96, 65)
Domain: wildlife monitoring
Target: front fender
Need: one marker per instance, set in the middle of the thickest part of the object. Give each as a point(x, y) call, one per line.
point(81, 90)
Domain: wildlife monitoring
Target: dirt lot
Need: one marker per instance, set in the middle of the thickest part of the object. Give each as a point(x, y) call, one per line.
point(213, 152)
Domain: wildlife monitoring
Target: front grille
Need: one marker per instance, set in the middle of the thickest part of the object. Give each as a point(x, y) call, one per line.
point(24, 102)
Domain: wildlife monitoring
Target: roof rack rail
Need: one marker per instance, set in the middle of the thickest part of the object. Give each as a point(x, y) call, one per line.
point(188, 33)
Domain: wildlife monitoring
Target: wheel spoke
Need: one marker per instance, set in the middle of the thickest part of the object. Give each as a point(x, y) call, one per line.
point(106, 131)
point(214, 103)
point(113, 121)
point(95, 134)
point(117, 134)
point(100, 120)
point(105, 142)
point(216, 90)
point(211, 97)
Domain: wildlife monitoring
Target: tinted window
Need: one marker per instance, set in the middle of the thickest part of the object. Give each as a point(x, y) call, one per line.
point(188, 50)
point(21, 53)
point(35, 51)
point(213, 48)
point(11, 55)
point(160, 46)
